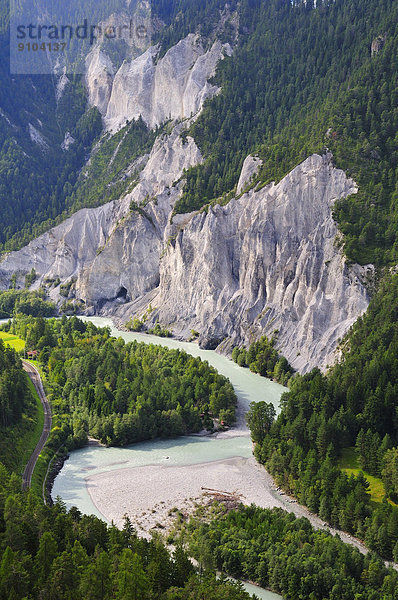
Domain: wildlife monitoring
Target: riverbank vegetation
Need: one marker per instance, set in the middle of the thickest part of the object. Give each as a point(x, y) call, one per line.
point(25, 302)
point(277, 550)
point(353, 406)
point(136, 324)
point(48, 552)
point(122, 393)
point(261, 357)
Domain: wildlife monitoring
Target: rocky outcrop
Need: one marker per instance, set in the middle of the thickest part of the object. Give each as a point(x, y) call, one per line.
point(62, 252)
point(99, 78)
point(378, 44)
point(62, 83)
point(173, 87)
point(111, 252)
point(68, 141)
point(132, 30)
point(251, 167)
point(267, 263)
point(38, 138)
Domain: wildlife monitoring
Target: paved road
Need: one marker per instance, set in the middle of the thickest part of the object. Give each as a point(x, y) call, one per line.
point(36, 379)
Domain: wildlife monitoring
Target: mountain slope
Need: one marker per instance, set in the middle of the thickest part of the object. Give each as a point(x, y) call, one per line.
point(302, 79)
point(299, 79)
point(266, 262)
point(274, 257)
point(49, 128)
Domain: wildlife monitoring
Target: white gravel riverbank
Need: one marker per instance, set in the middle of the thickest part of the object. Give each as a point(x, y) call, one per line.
point(147, 494)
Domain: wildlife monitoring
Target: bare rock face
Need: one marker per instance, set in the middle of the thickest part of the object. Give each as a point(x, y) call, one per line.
point(99, 78)
point(38, 138)
point(251, 167)
point(130, 260)
point(100, 68)
point(267, 263)
point(63, 251)
point(173, 87)
point(111, 252)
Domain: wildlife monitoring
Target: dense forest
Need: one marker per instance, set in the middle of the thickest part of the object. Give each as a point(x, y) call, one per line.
point(54, 554)
point(122, 393)
point(25, 302)
point(48, 552)
point(14, 391)
point(277, 550)
point(354, 406)
point(34, 179)
point(182, 17)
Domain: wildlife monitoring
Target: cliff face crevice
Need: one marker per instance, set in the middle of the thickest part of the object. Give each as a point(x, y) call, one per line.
point(267, 263)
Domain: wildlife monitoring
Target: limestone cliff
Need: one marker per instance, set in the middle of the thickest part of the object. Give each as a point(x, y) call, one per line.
point(172, 87)
point(250, 169)
point(266, 262)
point(114, 248)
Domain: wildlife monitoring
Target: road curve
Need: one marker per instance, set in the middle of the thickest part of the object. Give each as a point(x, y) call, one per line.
point(36, 380)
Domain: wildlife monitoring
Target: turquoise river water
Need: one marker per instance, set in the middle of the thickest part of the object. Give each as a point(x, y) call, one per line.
point(70, 484)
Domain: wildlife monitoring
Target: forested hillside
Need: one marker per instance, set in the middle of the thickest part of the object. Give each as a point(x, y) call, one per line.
point(276, 549)
point(39, 180)
point(33, 174)
point(300, 80)
point(355, 405)
point(39, 177)
point(17, 409)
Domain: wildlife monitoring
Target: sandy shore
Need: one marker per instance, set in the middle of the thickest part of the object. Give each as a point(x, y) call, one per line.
point(149, 494)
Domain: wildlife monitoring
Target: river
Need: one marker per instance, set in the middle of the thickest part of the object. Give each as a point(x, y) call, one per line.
point(249, 387)
point(147, 480)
